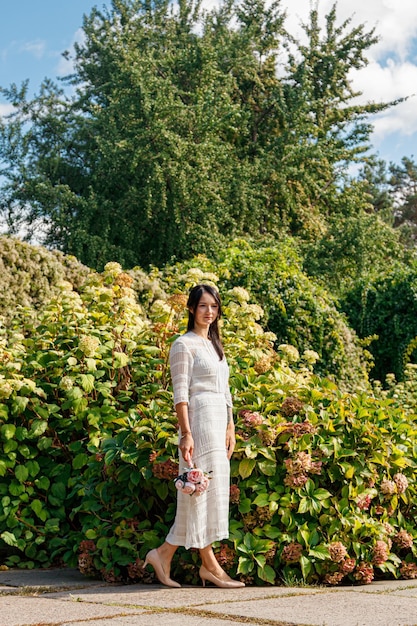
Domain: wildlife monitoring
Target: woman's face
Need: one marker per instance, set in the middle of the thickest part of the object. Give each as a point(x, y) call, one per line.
point(206, 311)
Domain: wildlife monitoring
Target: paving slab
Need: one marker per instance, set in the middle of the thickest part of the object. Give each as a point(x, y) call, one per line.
point(64, 597)
point(185, 597)
point(343, 608)
point(30, 611)
point(46, 578)
point(163, 620)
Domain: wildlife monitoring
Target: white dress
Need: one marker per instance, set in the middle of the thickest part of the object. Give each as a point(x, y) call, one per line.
point(202, 380)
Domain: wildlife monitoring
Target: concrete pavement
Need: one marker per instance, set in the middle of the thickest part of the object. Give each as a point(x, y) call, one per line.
point(63, 597)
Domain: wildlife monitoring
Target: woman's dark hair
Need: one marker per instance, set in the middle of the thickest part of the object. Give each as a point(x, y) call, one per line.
point(193, 300)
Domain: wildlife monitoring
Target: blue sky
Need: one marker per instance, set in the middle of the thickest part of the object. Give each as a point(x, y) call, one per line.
point(35, 33)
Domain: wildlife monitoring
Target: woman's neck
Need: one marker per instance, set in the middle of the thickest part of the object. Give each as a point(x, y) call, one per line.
point(201, 331)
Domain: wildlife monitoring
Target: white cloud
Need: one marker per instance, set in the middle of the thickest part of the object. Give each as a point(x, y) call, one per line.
point(35, 48)
point(392, 69)
point(5, 109)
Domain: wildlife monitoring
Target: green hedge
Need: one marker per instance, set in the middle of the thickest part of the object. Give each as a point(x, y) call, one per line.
point(322, 488)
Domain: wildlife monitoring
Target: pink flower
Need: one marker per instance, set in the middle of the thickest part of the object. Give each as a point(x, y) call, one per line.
point(179, 483)
point(364, 502)
point(192, 481)
point(401, 482)
point(195, 475)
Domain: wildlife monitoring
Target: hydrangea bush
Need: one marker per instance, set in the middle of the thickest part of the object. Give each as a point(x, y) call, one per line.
point(322, 480)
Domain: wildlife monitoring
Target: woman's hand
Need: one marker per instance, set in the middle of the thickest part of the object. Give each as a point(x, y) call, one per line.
point(187, 447)
point(230, 439)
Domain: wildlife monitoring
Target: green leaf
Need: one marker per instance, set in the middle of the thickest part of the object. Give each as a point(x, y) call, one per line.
point(246, 467)
point(120, 359)
point(306, 566)
point(79, 461)
point(21, 473)
point(38, 427)
point(8, 431)
point(261, 500)
point(268, 468)
point(9, 538)
point(319, 552)
point(245, 566)
point(267, 574)
point(38, 508)
point(87, 382)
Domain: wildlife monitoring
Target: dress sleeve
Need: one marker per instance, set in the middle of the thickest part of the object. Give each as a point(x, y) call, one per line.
point(181, 363)
point(229, 400)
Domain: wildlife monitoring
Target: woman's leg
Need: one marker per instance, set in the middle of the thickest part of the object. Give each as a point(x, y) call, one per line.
point(160, 559)
point(166, 551)
point(211, 571)
point(209, 561)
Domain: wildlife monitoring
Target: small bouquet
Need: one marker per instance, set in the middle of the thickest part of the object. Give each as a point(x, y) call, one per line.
point(192, 481)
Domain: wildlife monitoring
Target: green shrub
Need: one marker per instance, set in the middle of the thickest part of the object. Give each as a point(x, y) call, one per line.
point(322, 480)
point(385, 309)
point(30, 275)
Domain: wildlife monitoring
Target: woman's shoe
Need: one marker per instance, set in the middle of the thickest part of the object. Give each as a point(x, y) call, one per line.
point(153, 559)
point(205, 575)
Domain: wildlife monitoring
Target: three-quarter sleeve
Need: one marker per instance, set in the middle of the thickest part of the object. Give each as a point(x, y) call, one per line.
point(181, 364)
point(229, 399)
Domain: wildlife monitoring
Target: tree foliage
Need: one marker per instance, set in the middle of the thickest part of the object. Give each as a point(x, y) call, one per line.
point(185, 129)
point(385, 309)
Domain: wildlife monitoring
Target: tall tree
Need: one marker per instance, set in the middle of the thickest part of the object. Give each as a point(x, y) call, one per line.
point(186, 128)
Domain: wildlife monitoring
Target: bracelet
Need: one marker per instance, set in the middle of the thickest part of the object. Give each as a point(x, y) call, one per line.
point(185, 434)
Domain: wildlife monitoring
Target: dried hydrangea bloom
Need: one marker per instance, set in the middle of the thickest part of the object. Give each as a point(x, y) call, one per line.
point(347, 566)
point(364, 502)
point(408, 570)
point(292, 552)
point(165, 470)
point(388, 487)
point(401, 482)
point(234, 494)
point(403, 539)
point(263, 365)
point(124, 280)
point(295, 480)
point(364, 573)
point(334, 578)
point(291, 406)
point(178, 301)
point(226, 557)
point(251, 419)
point(337, 551)
point(380, 553)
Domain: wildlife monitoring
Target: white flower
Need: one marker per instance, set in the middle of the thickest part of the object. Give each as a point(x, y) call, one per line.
point(311, 356)
point(290, 352)
point(240, 294)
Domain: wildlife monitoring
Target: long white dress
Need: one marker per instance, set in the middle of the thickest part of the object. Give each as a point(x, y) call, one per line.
point(202, 380)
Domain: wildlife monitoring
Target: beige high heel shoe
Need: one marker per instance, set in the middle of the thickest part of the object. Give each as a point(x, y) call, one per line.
point(154, 559)
point(205, 575)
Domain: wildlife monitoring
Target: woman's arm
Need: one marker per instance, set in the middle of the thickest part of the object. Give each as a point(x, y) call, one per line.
point(230, 433)
point(186, 444)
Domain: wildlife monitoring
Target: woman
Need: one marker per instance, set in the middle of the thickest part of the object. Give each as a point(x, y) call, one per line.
point(203, 405)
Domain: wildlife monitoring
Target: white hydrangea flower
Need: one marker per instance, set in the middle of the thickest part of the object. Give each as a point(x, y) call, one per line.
point(290, 352)
point(240, 294)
